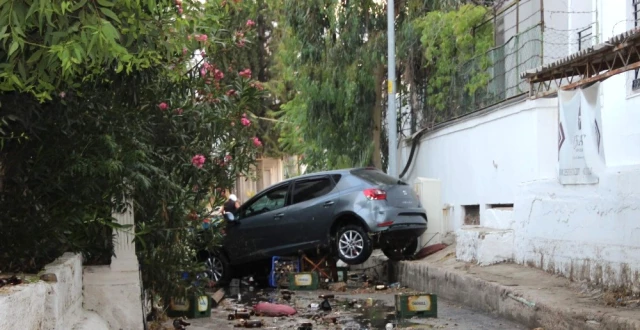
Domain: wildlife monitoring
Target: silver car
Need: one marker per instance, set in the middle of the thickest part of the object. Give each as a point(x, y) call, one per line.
point(347, 212)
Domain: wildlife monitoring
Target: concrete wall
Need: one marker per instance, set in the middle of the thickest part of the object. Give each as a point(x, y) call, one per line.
point(114, 295)
point(509, 156)
point(269, 171)
point(483, 160)
point(54, 305)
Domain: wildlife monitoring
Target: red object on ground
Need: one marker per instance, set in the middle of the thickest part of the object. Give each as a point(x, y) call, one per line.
point(269, 309)
point(429, 250)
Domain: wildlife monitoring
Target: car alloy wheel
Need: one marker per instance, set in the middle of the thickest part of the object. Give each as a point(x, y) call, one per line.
point(215, 268)
point(351, 244)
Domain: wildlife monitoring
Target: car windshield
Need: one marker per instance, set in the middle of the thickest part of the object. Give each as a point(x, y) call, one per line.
point(376, 177)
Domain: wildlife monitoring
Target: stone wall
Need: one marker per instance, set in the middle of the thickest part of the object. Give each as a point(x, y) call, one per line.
point(52, 305)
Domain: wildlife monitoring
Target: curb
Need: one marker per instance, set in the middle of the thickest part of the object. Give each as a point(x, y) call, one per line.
point(507, 302)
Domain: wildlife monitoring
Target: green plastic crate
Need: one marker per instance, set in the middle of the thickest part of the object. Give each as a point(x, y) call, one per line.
point(303, 281)
point(410, 305)
point(342, 274)
point(191, 308)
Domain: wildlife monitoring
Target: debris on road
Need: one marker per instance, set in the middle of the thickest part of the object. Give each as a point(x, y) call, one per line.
point(180, 324)
point(338, 287)
point(429, 250)
point(217, 297)
point(269, 309)
point(13, 280)
point(249, 324)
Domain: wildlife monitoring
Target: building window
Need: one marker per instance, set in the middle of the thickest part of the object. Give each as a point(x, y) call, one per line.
point(635, 9)
point(471, 215)
point(585, 36)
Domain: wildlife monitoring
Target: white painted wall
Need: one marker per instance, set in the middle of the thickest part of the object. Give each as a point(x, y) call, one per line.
point(620, 129)
point(509, 155)
point(49, 305)
point(483, 160)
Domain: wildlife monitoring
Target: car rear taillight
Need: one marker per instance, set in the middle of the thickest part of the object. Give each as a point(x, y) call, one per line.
point(375, 194)
point(385, 224)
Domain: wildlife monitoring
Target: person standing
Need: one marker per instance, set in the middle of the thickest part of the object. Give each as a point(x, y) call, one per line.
point(231, 205)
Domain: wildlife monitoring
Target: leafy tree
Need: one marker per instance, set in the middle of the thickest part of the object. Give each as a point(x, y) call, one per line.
point(326, 60)
point(449, 46)
point(113, 111)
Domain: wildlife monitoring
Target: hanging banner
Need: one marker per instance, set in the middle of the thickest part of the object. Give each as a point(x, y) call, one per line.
point(580, 152)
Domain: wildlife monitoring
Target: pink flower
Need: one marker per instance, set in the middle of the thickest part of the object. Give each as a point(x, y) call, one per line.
point(218, 75)
point(231, 92)
point(256, 85)
point(250, 23)
point(163, 106)
point(240, 43)
point(245, 122)
point(180, 11)
point(62, 95)
point(184, 51)
point(178, 2)
point(227, 158)
point(203, 71)
point(178, 111)
point(246, 73)
point(257, 142)
point(201, 37)
point(198, 160)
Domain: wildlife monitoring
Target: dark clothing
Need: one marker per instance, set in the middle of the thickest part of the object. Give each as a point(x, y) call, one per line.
point(229, 206)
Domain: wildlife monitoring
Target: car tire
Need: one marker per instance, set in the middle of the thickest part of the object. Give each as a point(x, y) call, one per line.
point(217, 267)
point(399, 253)
point(353, 245)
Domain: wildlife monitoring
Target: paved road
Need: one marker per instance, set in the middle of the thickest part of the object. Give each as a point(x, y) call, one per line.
point(450, 315)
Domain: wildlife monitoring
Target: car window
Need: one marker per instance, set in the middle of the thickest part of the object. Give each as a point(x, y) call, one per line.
point(310, 189)
point(377, 177)
point(270, 201)
point(336, 178)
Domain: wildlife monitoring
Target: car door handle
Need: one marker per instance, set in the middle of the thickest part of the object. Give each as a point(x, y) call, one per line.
point(329, 203)
point(278, 216)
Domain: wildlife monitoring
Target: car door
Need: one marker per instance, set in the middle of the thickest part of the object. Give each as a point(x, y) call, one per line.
point(250, 236)
point(310, 214)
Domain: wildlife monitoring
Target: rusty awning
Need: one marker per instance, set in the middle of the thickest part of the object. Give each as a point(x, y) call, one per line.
point(618, 54)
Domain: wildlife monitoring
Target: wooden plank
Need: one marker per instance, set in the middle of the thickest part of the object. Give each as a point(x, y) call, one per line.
point(217, 297)
point(601, 77)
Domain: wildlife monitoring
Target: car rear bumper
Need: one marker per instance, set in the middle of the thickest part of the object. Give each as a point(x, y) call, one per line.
point(398, 233)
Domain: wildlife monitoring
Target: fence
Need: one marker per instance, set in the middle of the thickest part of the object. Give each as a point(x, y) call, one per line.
point(527, 35)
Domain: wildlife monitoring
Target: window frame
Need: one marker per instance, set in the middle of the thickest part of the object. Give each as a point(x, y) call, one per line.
point(287, 200)
point(332, 185)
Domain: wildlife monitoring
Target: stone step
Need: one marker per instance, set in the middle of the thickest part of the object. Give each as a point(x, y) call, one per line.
point(91, 321)
point(484, 246)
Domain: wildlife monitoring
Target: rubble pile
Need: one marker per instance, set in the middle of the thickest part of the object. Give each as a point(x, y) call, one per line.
point(245, 306)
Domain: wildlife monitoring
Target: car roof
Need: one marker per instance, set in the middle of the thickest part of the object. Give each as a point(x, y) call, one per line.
point(340, 171)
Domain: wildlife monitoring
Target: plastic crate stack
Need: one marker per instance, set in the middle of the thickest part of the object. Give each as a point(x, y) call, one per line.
point(280, 269)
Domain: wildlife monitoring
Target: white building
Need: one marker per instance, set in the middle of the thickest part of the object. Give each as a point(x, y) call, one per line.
point(498, 168)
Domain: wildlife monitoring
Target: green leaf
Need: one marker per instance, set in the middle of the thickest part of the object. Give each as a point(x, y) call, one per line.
point(105, 3)
point(109, 13)
point(35, 56)
point(13, 48)
point(152, 5)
